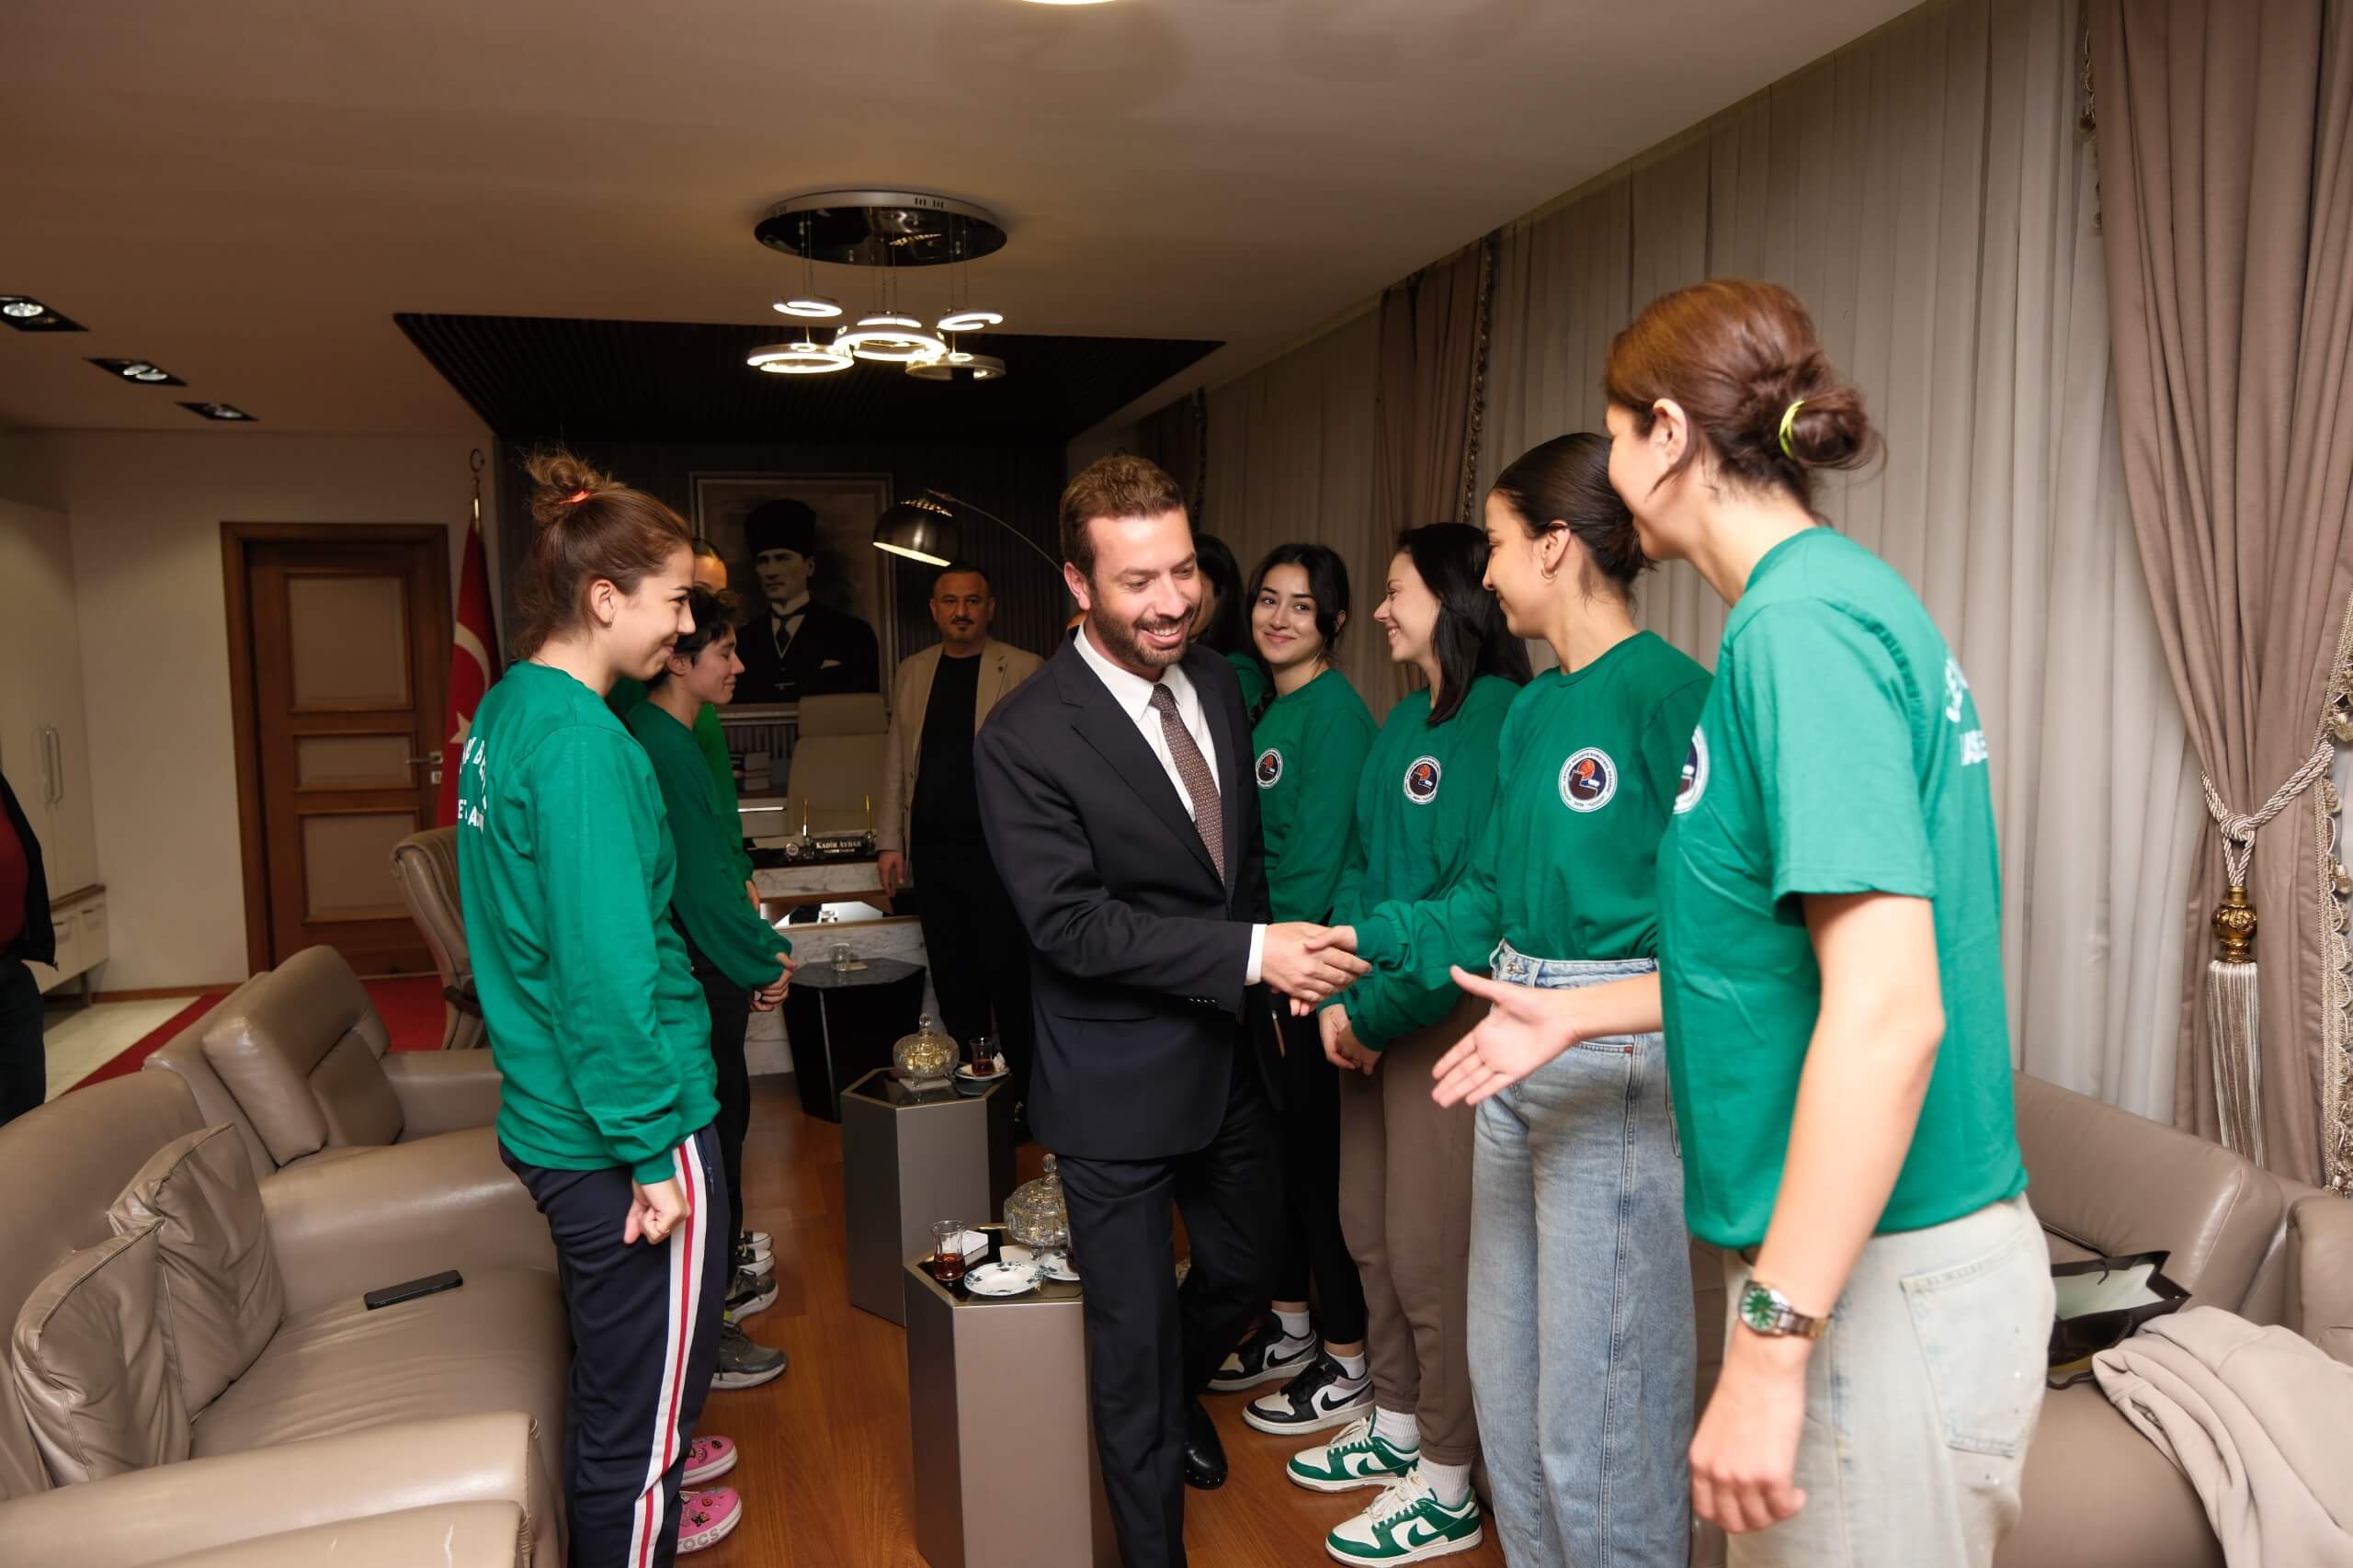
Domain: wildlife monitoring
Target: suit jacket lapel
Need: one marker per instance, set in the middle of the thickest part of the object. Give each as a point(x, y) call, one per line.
point(1105, 726)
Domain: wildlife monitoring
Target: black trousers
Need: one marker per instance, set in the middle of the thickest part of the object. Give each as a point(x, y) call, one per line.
point(23, 1065)
point(1150, 1345)
point(644, 1343)
point(1314, 1248)
point(730, 1016)
point(978, 955)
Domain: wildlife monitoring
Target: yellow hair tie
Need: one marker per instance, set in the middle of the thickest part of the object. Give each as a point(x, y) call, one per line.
point(1789, 423)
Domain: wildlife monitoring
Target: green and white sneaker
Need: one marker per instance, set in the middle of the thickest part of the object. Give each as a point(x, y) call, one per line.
point(1358, 1457)
point(1406, 1524)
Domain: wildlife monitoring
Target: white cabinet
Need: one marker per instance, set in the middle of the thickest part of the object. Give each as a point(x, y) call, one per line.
point(44, 743)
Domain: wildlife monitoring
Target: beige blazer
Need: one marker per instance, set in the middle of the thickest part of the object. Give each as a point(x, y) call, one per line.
point(1002, 667)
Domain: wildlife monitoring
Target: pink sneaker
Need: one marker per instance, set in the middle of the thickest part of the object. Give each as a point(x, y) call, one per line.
point(706, 1518)
point(707, 1458)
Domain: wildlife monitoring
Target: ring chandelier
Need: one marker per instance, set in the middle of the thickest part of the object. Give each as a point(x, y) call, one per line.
point(887, 230)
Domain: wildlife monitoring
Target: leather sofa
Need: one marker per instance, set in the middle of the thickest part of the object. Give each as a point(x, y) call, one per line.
point(299, 1062)
point(2104, 1183)
point(271, 1417)
point(426, 865)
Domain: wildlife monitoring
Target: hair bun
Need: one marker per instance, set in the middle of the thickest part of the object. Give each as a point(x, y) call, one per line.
point(1828, 429)
point(557, 480)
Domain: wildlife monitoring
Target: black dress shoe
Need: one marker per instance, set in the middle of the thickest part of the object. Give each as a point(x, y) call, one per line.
point(1204, 1453)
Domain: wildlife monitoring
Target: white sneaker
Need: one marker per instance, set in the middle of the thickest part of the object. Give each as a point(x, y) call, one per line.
point(1321, 1397)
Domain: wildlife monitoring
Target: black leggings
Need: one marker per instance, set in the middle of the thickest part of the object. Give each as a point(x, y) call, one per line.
point(1313, 1248)
point(731, 1015)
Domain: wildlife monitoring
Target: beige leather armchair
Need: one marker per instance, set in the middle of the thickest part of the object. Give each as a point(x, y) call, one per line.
point(426, 865)
point(298, 1061)
point(837, 762)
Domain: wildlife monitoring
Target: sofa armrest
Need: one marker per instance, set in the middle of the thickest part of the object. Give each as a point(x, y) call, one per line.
point(2320, 1272)
point(148, 1517)
point(345, 1227)
point(441, 1091)
point(451, 1535)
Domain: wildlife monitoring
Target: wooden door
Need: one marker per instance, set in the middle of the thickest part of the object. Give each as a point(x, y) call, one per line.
point(347, 634)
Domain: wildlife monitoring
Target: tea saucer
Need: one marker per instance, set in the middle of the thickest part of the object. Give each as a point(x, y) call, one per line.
point(965, 1072)
point(1056, 1265)
point(1001, 1279)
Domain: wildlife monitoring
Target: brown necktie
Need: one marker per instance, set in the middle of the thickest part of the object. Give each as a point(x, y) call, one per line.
point(1209, 812)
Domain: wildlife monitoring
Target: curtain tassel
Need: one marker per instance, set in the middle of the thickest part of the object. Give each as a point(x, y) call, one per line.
point(2234, 1024)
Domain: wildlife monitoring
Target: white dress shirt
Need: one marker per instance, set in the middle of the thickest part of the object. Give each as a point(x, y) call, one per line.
point(1133, 694)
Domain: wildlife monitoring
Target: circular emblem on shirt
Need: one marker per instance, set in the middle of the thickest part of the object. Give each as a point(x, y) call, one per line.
point(1588, 779)
point(1270, 769)
point(1421, 781)
point(1695, 774)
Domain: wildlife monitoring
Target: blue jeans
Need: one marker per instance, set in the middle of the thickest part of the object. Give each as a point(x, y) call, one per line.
point(1581, 1344)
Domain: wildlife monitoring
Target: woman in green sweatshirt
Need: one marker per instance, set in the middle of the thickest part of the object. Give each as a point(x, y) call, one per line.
point(565, 868)
point(1310, 743)
point(741, 960)
point(1422, 804)
point(1221, 620)
point(1581, 1341)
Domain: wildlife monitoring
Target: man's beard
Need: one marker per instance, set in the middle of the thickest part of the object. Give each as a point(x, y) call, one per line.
point(1120, 640)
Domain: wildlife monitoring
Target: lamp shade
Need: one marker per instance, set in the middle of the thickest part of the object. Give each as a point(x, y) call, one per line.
point(920, 529)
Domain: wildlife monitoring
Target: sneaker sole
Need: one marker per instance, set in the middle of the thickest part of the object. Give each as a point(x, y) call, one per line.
point(751, 1304)
point(1420, 1554)
point(1353, 1483)
point(720, 1532)
point(700, 1478)
point(1324, 1423)
point(744, 1380)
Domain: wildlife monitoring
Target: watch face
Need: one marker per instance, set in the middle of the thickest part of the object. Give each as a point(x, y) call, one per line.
point(1758, 1311)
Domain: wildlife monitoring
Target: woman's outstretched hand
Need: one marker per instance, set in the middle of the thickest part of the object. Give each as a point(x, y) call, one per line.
point(1524, 1028)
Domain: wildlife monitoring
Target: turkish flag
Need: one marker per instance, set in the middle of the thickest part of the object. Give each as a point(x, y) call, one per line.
point(473, 667)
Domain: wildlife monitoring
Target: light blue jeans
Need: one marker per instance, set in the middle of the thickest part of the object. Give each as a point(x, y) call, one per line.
point(1581, 1340)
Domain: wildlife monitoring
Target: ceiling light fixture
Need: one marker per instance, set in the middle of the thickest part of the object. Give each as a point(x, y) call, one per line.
point(961, 368)
point(146, 373)
point(816, 307)
point(970, 320)
point(221, 411)
point(27, 314)
point(889, 338)
point(803, 357)
point(23, 308)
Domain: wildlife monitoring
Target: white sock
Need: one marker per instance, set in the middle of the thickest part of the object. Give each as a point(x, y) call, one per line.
point(1402, 1431)
point(1451, 1483)
point(1353, 1366)
point(1294, 1324)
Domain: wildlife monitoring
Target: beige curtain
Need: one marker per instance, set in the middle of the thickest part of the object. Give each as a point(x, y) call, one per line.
point(1928, 192)
point(1433, 330)
point(2226, 161)
point(1291, 457)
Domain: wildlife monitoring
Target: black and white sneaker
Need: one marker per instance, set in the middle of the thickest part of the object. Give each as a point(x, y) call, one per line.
point(748, 1293)
point(1321, 1397)
point(1266, 1357)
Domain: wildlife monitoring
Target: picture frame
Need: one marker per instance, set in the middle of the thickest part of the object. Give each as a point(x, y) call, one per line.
point(848, 577)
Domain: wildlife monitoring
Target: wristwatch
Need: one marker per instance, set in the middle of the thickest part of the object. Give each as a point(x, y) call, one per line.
point(1766, 1312)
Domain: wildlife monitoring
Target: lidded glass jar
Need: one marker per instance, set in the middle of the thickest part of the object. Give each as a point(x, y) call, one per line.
point(1035, 1215)
point(926, 1056)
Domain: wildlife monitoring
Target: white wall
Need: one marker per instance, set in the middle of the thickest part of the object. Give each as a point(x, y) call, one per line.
point(146, 508)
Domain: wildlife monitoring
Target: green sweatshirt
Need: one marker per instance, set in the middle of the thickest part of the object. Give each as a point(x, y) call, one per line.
point(712, 737)
point(1422, 805)
point(1311, 748)
point(564, 870)
point(1567, 868)
point(709, 897)
point(1253, 677)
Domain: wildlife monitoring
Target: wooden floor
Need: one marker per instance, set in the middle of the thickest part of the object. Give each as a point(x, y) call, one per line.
point(824, 1472)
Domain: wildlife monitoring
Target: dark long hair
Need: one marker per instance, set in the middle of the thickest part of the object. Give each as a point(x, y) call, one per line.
point(1564, 483)
point(1228, 627)
point(1327, 585)
point(1471, 638)
point(715, 618)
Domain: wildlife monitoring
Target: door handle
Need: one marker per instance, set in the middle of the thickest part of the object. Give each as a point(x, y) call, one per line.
point(57, 744)
point(51, 790)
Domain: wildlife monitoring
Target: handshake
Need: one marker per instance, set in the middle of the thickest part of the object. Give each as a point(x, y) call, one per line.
point(1308, 962)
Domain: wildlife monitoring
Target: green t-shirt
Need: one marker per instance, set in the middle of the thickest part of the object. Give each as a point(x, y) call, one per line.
point(1309, 747)
point(1841, 753)
point(1423, 802)
point(710, 737)
point(564, 870)
point(709, 897)
point(1253, 677)
point(1567, 866)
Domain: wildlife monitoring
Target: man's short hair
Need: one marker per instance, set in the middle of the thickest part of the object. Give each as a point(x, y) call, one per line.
point(964, 569)
point(1121, 485)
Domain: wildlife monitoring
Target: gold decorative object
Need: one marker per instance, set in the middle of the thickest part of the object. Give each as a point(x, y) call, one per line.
point(2235, 925)
point(1037, 1215)
point(924, 1057)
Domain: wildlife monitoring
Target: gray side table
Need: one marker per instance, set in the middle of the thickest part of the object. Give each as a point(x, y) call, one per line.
point(909, 1160)
point(1005, 1466)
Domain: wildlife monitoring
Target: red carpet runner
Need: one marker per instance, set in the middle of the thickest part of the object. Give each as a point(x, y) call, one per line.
point(411, 1006)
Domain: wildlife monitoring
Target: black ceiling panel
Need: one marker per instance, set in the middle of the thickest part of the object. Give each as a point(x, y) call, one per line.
point(541, 376)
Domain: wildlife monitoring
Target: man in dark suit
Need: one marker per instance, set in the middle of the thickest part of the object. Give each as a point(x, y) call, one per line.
point(794, 647)
point(1115, 792)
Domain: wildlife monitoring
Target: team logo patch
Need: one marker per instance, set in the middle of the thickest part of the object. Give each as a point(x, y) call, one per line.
point(1270, 769)
point(1589, 780)
point(1695, 774)
point(1421, 781)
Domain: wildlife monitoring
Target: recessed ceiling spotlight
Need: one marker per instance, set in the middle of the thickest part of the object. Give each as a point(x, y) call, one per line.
point(890, 339)
point(961, 367)
point(816, 307)
point(801, 357)
point(27, 314)
point(970, 320)
point(221, 411)
point(143, 371)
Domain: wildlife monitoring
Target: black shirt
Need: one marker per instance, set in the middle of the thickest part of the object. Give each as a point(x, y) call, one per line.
point(946, 806)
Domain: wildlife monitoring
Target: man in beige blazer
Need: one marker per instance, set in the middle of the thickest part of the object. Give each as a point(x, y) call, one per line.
point(929, 828)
